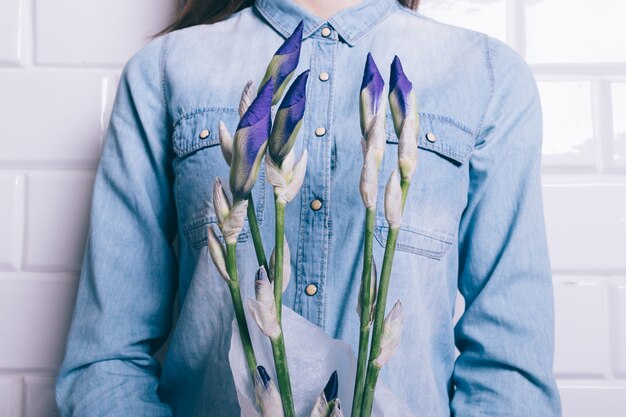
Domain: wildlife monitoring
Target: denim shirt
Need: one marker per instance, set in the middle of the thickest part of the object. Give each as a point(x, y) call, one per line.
point(473, 219)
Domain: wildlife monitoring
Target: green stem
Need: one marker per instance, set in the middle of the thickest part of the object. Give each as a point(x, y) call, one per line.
point(366, 305)
point(278, 257)
point(370, 387)
point(282, 374)
point(235, 294)
point(256, 234)
point(404, 185)
point(379, 317)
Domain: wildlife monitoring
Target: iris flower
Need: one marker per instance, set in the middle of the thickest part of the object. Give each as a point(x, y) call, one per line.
point(404, 110)
point(250, 142)
point(288, 119)
point(284, 63)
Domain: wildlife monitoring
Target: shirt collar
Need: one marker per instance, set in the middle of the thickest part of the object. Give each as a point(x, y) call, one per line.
point(351, 23)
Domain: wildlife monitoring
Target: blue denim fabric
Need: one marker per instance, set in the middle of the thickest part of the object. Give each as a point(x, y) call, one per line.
point(473, 219)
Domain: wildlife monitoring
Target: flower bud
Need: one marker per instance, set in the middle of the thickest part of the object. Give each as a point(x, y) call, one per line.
point(390, 339)
point(284, 62)
point(368, 186)
point(327, 398)
point(230, 219)
point(221, 202)
point(234, 222)
point(371, 95)
point(286, 182)
point(218, 254)
point(393, 201)
point(226, 142)
point(407, 149)
point(247, 96)
point(402, 99)
point(263, 309)
point(250, 142)
point(288, 119)
point(404, 109)
point(267, 394)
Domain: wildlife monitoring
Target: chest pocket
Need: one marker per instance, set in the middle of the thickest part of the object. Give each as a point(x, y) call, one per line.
point(438, 191)
point(198, 162)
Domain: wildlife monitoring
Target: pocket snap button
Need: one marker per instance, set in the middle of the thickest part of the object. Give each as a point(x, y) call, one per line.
point(430, 136)
point(204, 134)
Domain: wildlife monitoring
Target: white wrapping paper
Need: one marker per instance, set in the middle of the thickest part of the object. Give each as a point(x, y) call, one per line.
point(312, 356)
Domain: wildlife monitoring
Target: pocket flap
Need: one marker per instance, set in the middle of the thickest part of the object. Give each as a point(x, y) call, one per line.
point(414, 240)
point(440, 134)
point(200, 128)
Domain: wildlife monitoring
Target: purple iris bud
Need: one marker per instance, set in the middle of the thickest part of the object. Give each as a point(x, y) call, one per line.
point(288, 119)
point(250, 142)
point(261, 274)
point(332, 387)
point(264, 376)
point(284, 62)
point(371, 92)
point(401, 95)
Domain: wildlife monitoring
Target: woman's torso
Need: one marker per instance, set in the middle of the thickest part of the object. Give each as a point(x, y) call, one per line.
point(205, 68)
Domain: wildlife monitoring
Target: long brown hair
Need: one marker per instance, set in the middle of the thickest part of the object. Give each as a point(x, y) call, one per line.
point(196, 12)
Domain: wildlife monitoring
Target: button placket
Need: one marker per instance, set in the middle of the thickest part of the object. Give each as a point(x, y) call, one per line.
point(315, 227)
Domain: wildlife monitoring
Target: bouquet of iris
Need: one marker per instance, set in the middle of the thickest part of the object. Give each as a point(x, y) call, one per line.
point(261, 138)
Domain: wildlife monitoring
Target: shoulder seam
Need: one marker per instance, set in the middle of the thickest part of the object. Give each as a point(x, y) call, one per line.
point(492, 81)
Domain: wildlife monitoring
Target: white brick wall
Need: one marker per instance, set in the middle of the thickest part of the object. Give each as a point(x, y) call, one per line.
point(59, 66)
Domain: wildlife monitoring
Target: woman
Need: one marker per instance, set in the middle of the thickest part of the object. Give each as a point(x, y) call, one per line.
point(473, 218)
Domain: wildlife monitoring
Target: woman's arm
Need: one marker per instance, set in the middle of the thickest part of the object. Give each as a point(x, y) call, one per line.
point(128, 279)
point(506, 334)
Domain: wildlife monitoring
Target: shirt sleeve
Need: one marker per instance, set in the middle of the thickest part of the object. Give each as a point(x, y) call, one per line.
point(506, 334)
point(123, 310)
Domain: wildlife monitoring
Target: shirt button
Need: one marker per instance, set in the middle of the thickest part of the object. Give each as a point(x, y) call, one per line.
point(320, 131)
point(204, 134)
point(316, 204)
point(311, 289)
point(430, 136)
point(325, 32)
point(324, 76)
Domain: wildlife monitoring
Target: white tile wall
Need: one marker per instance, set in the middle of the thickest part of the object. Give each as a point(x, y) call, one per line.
point(10, 395)
point(35, 310)
point(582, 207)
point(54, 118)
point(619, 336)
point(593, 401)
point(57, 217)
point(11, 213)
point(59, 66)
point(97, 32)
point(10, 13)
point(582, 334)
point(39, 398)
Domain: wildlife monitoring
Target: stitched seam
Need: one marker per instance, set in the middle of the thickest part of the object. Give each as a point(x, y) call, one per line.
point(162, 59)
point(380, 235)
point(200, 110)
point(492, 80)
